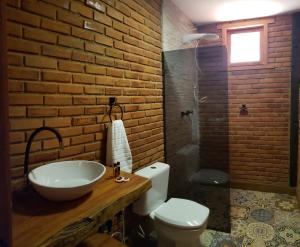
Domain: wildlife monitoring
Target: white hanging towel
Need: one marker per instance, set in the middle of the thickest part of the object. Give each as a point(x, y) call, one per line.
point(117, 148)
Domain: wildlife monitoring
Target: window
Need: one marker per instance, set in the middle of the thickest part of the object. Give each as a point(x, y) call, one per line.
point(245, 46)
point(246, 42)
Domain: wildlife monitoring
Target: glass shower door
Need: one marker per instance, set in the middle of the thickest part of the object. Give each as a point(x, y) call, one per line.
point(196, 129)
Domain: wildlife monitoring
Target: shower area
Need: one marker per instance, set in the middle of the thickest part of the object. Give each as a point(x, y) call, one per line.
point(196, 126)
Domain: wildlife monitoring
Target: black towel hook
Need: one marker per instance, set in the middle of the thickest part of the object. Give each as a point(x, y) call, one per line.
point(112, 104)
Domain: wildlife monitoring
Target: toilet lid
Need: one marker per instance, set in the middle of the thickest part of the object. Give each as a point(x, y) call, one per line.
point(182, 213)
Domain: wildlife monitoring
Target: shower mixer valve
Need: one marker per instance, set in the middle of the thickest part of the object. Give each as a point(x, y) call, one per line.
point(186, 113)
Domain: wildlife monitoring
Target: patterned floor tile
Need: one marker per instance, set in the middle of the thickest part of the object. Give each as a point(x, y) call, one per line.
point(259, 219)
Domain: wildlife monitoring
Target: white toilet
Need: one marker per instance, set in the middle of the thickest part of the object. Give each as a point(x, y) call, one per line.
point(178, 222)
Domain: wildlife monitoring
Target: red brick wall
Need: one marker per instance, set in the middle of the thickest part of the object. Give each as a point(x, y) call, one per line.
point(259, 141)
point(65, 59)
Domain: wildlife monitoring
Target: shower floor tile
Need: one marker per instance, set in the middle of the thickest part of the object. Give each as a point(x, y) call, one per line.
point(259, 219)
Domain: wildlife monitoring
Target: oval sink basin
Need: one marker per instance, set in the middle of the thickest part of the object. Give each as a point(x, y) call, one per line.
point(66, 180)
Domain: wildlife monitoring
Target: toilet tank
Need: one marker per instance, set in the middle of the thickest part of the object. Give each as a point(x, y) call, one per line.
point(158, 173)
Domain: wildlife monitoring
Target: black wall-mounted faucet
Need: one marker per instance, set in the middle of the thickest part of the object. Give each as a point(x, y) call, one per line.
point(28, 146)
point(186, 113)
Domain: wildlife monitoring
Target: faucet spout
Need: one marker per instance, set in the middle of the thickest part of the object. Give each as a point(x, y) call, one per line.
point(29, 143)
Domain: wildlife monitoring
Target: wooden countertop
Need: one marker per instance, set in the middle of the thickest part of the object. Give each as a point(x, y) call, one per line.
point(38, 222)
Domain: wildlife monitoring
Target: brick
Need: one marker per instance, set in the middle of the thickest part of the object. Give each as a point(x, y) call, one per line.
point(123, 8)
point(15, 86)
point(70, 66)
point(113, 33)
point(82, 139)
point(16, 137)
point(115, 72)
point(114, 14)
point(13, 29)
point(122, 83)
point(17, 148)
point(99, 17)
point(71, 111)
point(130, 92)
point(84, 100)
point(82, 34)
point(70, 42)
point(105, 61)
point(122, 46)
point(70, 89)
point(23, 73)
point(82, 78)
point(131, 41)
point(94, 69)
point(71, 151)
point(92, 47)
point(42, 112)
point(25, 124)
point(70, 18)
point(94, 110)
point(56, 76)
point(131, 75)
point(137, 67)
point(14, 3)
point(58, 100)
point(15, 44)
point(54, 51)
point(83, 57)
point(132, 23)
point(39, 8)
point(94, 90)
point(34, 87)
point(13, 59)
point(113, 91)
point(40, 35)
point(23, 17)
point(104, 80)
point(138, 99)
point(135, 15)
point(60, 3)
point(103, 40)
point(122, 64)
point(40, 62)
point(92, 147)
point(78, 121)
point(94, 26)
point(113, 53)
point(58, 122)
point(55, 26)
point(17, 111)
point(120, 27)
point(131, 57)
point(79, 8)
point(136, 34)
point(52, 144)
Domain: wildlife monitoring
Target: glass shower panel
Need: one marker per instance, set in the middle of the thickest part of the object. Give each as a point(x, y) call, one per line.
point(181, 118)
point(196, 129)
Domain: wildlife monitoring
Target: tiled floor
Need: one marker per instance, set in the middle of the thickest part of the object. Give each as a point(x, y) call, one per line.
point(259, 219)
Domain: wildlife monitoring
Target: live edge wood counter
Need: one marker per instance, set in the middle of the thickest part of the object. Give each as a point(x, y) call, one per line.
point(38, 222)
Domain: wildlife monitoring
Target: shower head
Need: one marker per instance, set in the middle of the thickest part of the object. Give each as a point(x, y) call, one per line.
point(198, 36)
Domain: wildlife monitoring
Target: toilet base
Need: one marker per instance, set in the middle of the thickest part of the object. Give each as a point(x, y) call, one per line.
point(164, 242)
point(169, 236)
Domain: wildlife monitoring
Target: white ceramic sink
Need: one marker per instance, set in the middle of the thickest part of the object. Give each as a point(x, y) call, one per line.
point(66, 180)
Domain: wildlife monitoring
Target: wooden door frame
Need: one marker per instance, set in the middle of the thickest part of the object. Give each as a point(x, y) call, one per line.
point(5, 190)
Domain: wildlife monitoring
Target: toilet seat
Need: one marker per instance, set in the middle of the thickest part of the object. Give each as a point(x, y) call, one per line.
point(181, 213)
